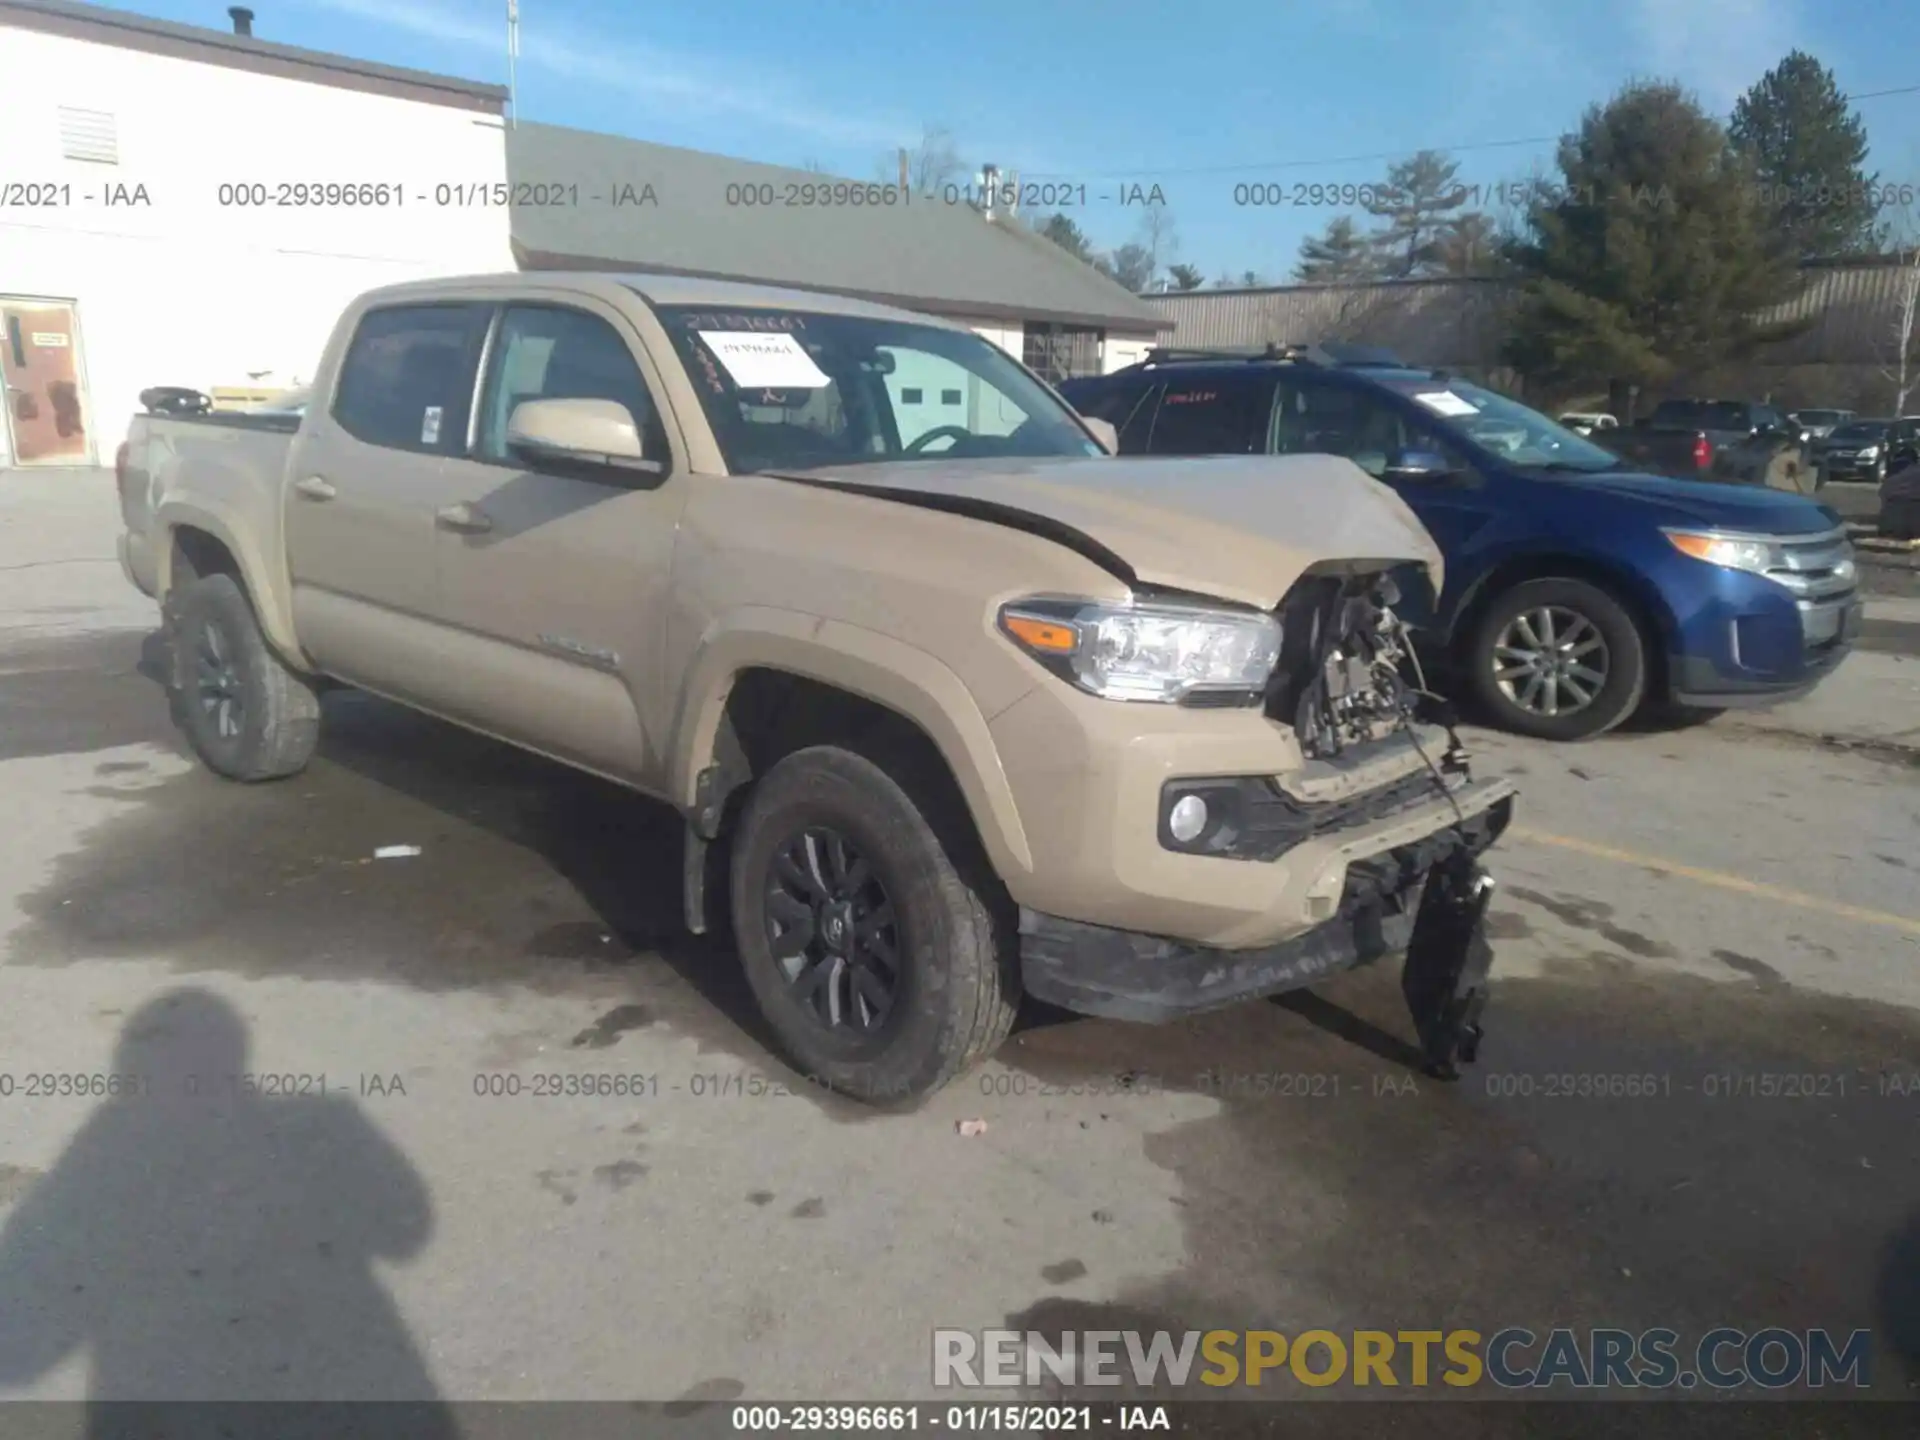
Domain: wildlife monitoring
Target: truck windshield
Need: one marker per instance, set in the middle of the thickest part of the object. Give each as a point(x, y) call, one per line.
point(797, 390)
point(1506, 429)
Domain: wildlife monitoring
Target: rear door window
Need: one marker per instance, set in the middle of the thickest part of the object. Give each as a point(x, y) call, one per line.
point(407, 381)
point(1216, 415)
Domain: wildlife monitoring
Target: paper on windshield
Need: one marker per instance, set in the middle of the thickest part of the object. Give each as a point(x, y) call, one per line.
point(1445, 402)
point(760, 360)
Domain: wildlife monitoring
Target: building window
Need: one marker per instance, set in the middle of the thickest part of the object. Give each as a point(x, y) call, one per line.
point(949, 397)
point(89, 135)
point(910, 397)
point(1061, 352)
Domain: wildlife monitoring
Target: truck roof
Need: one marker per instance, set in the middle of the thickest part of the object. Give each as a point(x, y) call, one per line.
point(658, 288)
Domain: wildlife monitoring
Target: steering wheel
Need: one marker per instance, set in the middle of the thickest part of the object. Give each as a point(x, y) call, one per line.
point(955, 433)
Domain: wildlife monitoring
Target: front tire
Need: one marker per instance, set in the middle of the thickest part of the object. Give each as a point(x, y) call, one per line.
point(883, 970)
point(245, 713)
point(1558, 659)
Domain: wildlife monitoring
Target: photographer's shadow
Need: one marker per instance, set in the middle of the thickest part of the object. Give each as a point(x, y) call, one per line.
point(204, 1241)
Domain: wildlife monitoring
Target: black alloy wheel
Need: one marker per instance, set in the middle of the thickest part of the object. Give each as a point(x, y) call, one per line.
point(247, 715)
point(877, 945)
point(217, 688)
point(833, 931)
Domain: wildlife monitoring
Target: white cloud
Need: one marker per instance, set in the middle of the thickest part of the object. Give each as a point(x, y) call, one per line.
point(1719, 48)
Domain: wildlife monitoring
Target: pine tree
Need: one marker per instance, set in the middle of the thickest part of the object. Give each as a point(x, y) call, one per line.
point(1469, 245)
point(1062, 230)
point(1650, 255)
point(1421, 197)
point(1806, 149)
point(1338, 255)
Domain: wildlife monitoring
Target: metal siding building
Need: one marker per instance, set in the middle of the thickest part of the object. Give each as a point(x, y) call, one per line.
point(1852, 307)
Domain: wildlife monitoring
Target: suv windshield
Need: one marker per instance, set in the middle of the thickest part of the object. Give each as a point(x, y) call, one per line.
point(800, 389)
point(1505, 428)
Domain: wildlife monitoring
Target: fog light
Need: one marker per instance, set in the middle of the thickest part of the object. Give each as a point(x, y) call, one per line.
point(1187, 818)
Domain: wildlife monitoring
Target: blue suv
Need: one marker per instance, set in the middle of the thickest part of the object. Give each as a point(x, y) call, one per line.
point(1576, 590)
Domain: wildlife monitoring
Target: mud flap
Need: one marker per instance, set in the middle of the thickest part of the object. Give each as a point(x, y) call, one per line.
point(1445, 979)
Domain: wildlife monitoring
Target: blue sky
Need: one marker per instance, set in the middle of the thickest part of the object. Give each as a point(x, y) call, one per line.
point(1197, 96)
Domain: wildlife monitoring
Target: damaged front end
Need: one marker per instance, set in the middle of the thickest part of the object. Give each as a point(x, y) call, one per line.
point(1348, 683)
point(1368, 844)
point(1342, 682)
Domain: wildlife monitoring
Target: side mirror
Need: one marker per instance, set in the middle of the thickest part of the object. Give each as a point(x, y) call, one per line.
point(1419, 465)
point(1103, 431)
point(579, 432)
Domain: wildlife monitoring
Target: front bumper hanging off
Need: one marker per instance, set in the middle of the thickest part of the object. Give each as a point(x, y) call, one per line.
point(1427, 899)
point(1445, 976)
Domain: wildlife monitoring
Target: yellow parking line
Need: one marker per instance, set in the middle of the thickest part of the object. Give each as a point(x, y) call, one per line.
point(1723, 881)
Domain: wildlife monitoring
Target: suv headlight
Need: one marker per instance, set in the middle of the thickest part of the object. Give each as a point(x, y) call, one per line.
point(1173, 654)
point(1736, 552)
point(1870, 452)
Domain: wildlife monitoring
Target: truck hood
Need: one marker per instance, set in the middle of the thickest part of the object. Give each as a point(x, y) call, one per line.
point(1236, 527)
point(1729, 506)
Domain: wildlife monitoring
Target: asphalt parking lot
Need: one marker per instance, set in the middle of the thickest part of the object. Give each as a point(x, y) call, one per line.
point(1717, 929)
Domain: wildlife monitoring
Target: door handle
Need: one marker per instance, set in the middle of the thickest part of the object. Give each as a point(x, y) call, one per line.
point(463, 519)
point(315, 488)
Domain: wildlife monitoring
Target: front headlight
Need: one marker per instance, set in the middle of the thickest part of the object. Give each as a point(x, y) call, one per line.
point(1736, 552)
point(1872, 452)
point(1174, 654)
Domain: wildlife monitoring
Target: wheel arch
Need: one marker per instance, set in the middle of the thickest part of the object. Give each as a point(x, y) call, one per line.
point(799, 676)
point(1641, 601)
point(208, 542)
point(1630, 589)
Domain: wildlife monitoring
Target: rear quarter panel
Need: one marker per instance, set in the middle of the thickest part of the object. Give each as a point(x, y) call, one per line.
point(229, 482)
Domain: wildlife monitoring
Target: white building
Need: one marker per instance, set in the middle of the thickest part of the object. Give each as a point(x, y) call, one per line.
point(167, 216)
point(194, 207)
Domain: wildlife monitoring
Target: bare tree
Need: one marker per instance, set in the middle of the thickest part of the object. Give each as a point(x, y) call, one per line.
point(934, 162)
point(1903, 343)
point(1157, 236)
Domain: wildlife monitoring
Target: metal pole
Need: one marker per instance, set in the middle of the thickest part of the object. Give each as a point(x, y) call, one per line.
point(513, 54)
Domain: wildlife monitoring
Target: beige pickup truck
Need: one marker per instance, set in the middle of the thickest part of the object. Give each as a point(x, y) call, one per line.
point(956, 705)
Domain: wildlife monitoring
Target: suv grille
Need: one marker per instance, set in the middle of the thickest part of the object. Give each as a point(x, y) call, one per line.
point(1816, 567)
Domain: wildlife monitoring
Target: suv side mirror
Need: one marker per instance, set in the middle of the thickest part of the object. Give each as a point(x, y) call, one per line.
point(1103, 431)
point(1419, 465)
point(580, 432)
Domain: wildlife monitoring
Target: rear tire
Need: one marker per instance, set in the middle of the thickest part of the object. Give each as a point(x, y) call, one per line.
point(842, 889)
point(245, 713)
point(1590, 682)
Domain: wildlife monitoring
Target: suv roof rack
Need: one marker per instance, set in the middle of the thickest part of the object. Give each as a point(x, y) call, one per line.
point(1333, 354)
